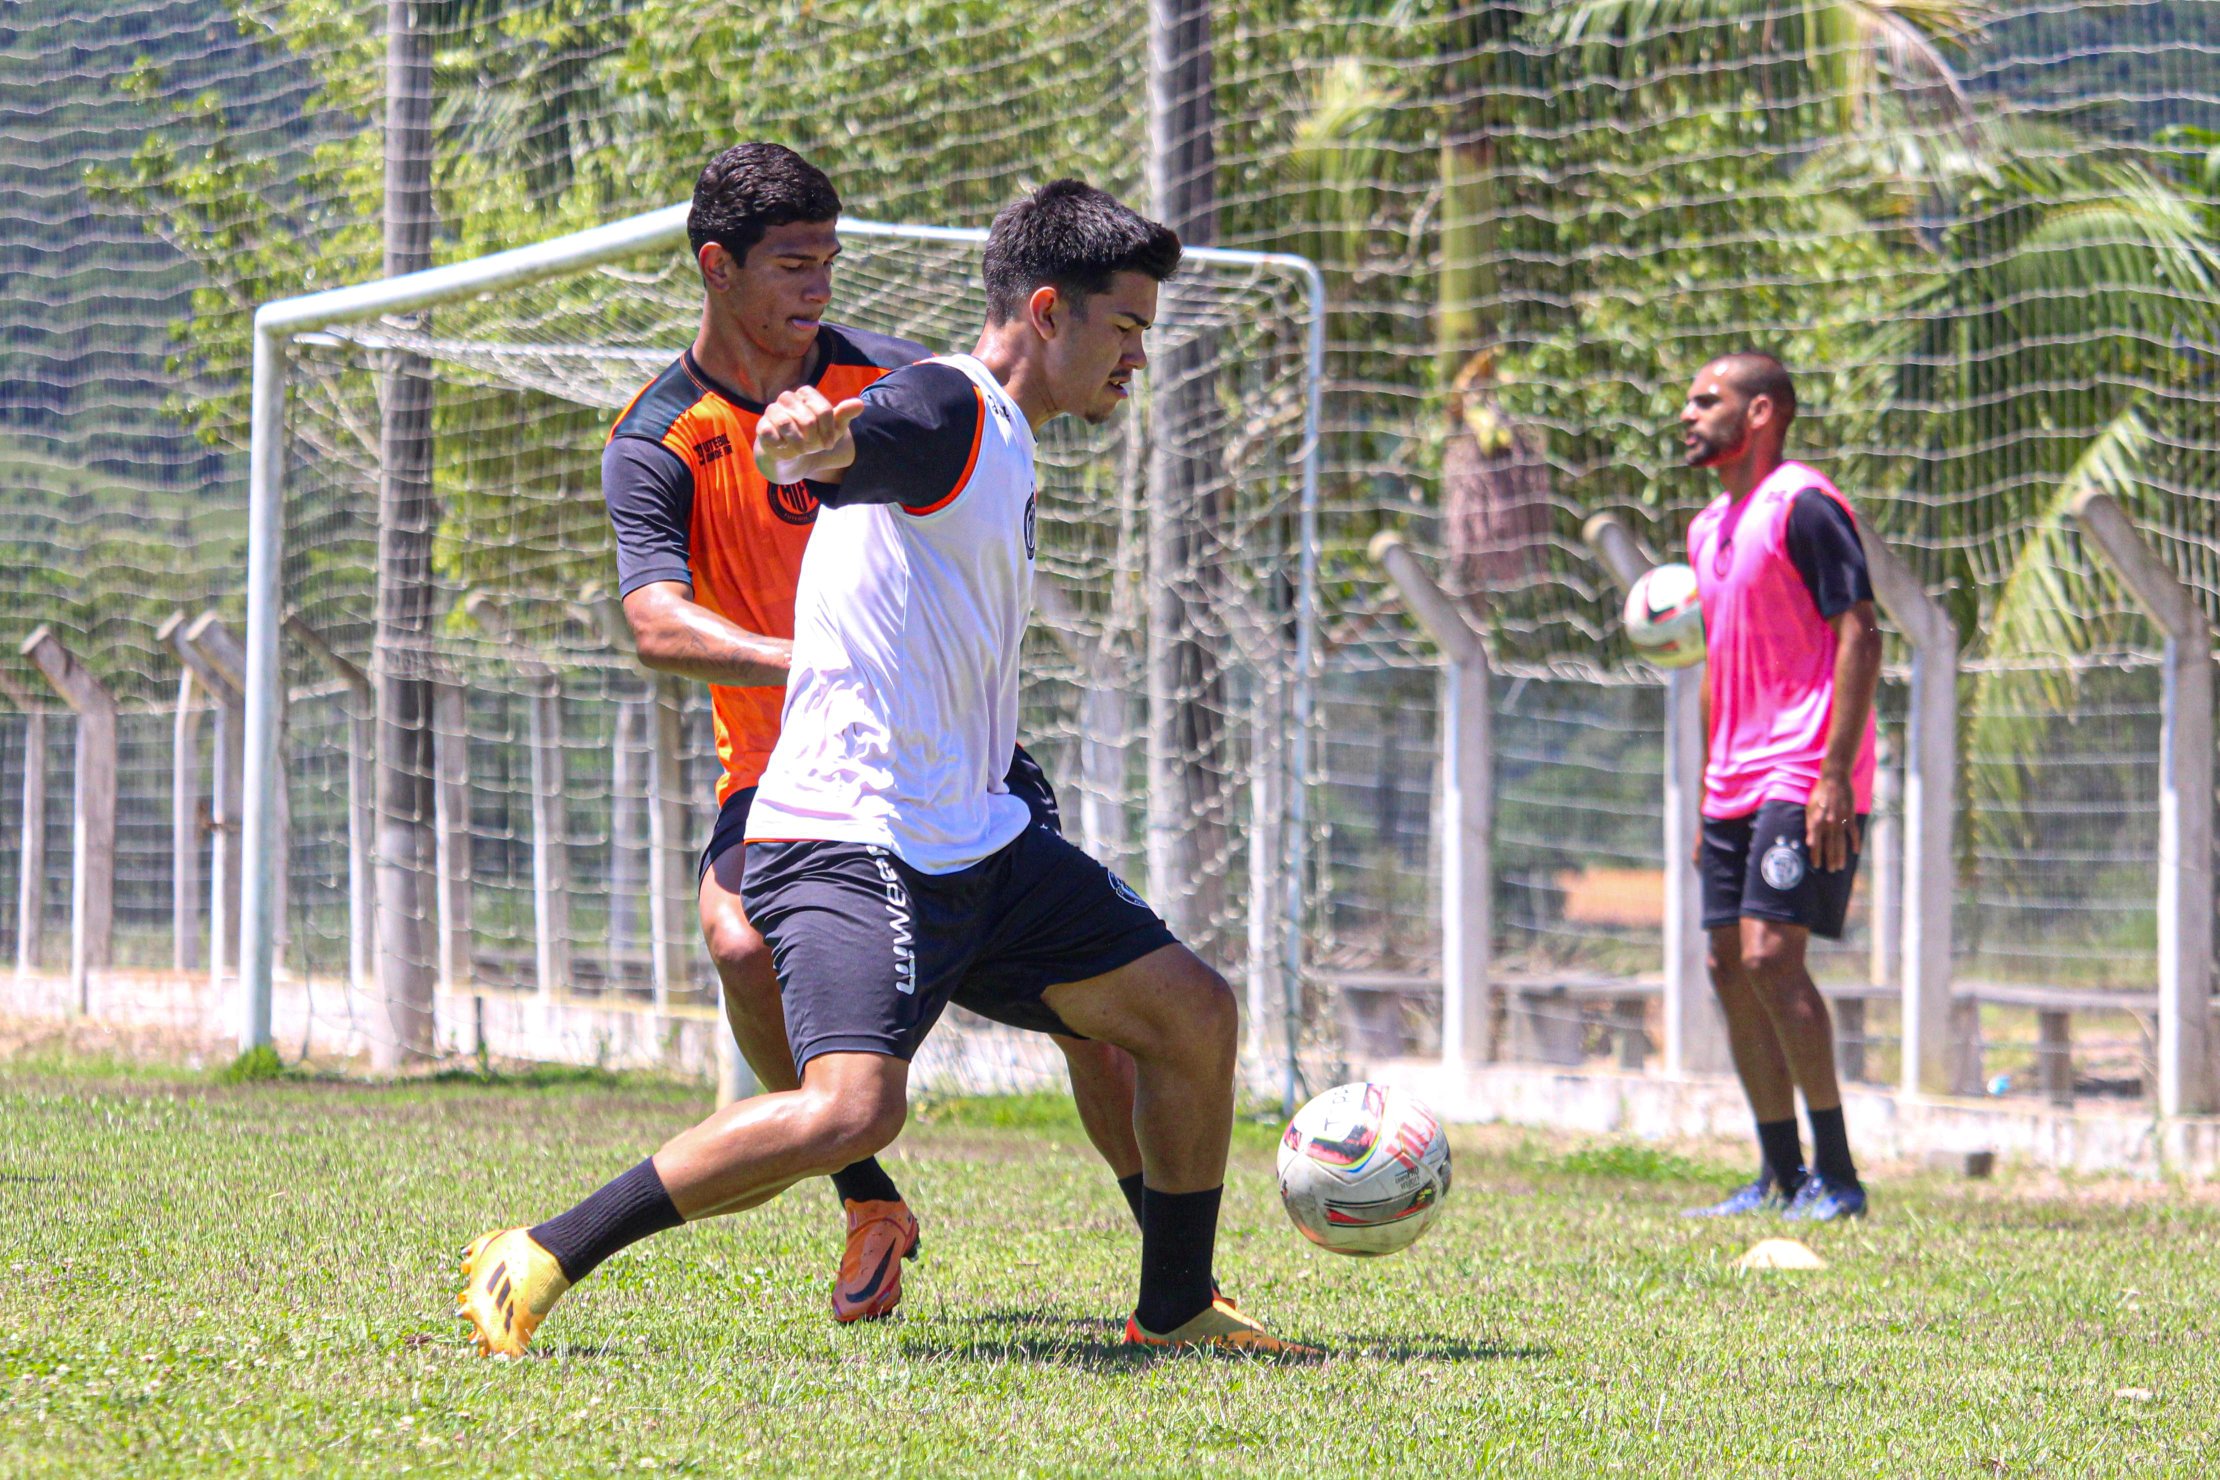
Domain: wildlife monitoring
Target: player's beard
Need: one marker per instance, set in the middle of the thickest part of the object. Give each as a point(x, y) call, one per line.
point(1708, 451)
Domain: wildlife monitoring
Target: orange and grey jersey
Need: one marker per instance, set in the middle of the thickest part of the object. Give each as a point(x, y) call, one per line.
point(688, 505)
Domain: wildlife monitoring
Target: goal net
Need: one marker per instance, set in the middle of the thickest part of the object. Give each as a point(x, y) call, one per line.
point(541, 848)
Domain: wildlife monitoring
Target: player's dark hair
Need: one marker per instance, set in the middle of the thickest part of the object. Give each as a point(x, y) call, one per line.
point(1756, 373)
point(749, 189)
point(1069, 236)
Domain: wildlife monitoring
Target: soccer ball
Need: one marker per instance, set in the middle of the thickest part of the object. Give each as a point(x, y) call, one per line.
point(1664, 618)
point(1364, 1169)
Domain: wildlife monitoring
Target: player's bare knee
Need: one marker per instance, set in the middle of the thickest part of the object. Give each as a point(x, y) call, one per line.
point(852, 1121)
point(1777, 974)
point(1796, 1000)
point(735, 945)
point(1723, 954)
point(1210, 1021)
point(1770, 963)
point(751, 989)
point(1091, 1058)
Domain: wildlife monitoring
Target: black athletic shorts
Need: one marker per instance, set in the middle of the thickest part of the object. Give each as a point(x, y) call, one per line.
point(869, 951)
point(1027, 782)
point(1758, 867)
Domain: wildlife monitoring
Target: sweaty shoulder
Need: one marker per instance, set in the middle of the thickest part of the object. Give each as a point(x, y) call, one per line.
point(658, 405)
point(916, 440)
point(846, 346)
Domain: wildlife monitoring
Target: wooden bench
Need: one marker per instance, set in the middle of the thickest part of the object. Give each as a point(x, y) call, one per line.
point(1548, 1014)
point(2054, 1010)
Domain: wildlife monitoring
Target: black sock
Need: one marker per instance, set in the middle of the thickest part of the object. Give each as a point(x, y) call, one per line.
point(865, 1181)
point(622, 1213)
point(1784, 1153)
point(1179, 1232)
point(1131, 1187)
point(1830, 1148)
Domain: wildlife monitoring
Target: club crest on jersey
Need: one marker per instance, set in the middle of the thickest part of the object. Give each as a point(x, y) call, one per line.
point(1782, 867)
point(793, 503)
point(1125, 891)
point(1032, 505)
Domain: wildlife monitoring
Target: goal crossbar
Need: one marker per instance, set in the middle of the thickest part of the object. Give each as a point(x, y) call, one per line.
point(282, 322)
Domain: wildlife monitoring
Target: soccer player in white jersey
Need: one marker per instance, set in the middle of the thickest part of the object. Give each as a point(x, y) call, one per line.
point(888, 864)
point(709, 557)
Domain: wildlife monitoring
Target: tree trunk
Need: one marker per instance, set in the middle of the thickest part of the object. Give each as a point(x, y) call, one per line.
point(1187, 853)
point(406, 517)
point(1495, 477)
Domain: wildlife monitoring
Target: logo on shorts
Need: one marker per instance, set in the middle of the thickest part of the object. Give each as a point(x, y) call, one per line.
point(1032, 505)
point(1124, 891)
point(1782, 867)
point(899, 922)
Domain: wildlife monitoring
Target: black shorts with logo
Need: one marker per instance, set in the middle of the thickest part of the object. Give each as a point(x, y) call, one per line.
point(1759, 867)
point(1027, 782)
point(870, 951)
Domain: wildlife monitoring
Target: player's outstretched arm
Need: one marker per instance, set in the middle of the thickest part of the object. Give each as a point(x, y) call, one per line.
point(805, 435)
point(676, 634)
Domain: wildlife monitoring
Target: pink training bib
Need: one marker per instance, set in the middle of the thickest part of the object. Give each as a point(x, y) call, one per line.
point(1772, 655)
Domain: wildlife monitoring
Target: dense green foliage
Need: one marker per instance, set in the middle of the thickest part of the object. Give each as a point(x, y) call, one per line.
point(1576, 203)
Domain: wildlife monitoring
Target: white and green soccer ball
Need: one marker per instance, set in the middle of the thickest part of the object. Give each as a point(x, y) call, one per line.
point(1665, 617)
point(1364, 1169)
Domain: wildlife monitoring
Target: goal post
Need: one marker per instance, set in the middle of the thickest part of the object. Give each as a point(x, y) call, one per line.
point(552, 337)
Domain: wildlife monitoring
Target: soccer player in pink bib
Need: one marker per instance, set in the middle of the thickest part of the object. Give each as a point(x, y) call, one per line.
point(1793, 659)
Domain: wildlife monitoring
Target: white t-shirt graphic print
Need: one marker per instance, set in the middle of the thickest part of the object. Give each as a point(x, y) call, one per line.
point(915, 592)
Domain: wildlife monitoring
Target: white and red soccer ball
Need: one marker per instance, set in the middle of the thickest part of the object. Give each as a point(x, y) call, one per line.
point(1364, 1169)
point(1664, 617)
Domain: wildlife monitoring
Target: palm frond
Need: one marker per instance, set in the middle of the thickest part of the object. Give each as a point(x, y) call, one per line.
point(2048, 610)
point(1868, 58)
point(1333, 165)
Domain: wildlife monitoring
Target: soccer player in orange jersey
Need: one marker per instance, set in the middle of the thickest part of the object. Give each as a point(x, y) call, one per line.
point(889, 862)
point(708, 554)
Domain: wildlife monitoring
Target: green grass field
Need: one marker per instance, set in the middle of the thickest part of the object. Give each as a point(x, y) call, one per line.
point(256, 1279)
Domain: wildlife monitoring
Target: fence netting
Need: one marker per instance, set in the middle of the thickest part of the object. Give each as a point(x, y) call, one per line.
point(1985, 236)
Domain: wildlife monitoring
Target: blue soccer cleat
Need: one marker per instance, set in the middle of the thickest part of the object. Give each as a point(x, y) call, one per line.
point(1822, 1201)
point(1755, 1197)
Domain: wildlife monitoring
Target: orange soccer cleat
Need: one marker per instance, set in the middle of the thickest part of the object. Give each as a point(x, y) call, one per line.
point(1222, 1328)
point(880, 1236)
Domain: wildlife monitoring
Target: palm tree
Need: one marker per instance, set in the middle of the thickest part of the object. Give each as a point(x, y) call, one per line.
point(2050, 350)
point(1875, 70)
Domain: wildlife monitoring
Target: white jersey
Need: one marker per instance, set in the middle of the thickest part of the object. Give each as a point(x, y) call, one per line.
point(915, 592)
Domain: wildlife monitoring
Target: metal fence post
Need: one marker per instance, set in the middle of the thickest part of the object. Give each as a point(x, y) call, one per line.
point(2185, 895)
point(224, 872)
point(224, 651)
point(1468, 808)
point(361, 718)
point(1936, 1028)
point(1695, 1029)
point(92, 885)
point(627, 834)
point(451, 831)
point(30, 884)
point(1884, 851)
point(551, 953)
point(550, 839)
point(666, 835)
point(185, 829)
